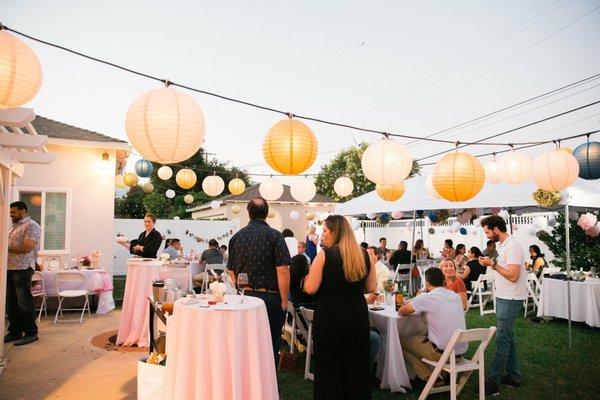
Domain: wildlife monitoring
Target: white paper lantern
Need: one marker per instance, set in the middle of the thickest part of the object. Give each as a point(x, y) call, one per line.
point(294, 215)
point(170, 193)
point(165, 172)
point(215, 204)
point(148, 187)
point(371, 215)
point(165, 125)
point(188, 199)
point(386, 162)
point(355, 224)
point(186, 178)
point(514, 168)
point(271, 189)
point(492, 174)
point(540, 222)
point(474, 231)
point(235, 209)
point(555, 170)
point(456, 226)
point(303, 190)
point(477, 222)
point(213, 185)
point(430, 188)
point(504, 214)
point(343, 186)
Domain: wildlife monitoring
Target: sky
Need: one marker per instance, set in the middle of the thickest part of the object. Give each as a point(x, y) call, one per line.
point(411, 67)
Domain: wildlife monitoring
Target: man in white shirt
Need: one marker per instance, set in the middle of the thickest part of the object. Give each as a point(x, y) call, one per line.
point(383, 272)
point(445, 315)
point(510, 280)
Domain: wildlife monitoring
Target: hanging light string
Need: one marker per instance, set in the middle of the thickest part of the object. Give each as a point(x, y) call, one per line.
point(271, 109)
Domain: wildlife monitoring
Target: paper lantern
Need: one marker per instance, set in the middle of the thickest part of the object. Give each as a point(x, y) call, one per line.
point(433, 217)
point(271, 213)
point(188, 199)
point(455, 226)
point(290, 147)
point(294, 215)
point(473, 232)
point(477, 222)
point(21, 72)
point(165, 125)
point(397, 214)
point(588, 157)
point(555, 170)
point(170, 193)
point(303, 190)
point(431, 231)
point(165, 172)
point(504, 214)
point(130, 179)
point(492, 174)
point(325, 215)
point(309, 215)
point(236, 186)
point(235, 209)
point(185, 178)
point(458, 176)
point(36, 200)
point(390, 192)
point(119, 181)
point(430, 189)
point(463, 231)
point(143, 168)
point(343, 186)
point(271, 189)
point(213, 185)
point(215, 204)
point(566, 150)
point(355, 224)
point(514, 168)
point(386, 162)
point(371, 215)
point(148, 187)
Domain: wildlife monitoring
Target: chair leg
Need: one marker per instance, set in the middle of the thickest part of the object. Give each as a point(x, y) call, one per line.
point(309, 349)
point(430, 382)
point(293, 334)
point(45, 307)
point(453, 385)
point(481, 378)
point(58, 310)
point(88, 303)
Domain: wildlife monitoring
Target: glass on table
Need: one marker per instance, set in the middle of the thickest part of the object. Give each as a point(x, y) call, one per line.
point(243, 283)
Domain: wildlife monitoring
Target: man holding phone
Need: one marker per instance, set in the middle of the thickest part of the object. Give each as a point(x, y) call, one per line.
point(510, 280)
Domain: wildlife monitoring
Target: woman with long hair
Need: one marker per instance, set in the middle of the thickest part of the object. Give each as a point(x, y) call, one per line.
point(472, 269)
point(312, 240)
point(538, 262)
point(453, 282)
point(339, 276)
point(460, 258)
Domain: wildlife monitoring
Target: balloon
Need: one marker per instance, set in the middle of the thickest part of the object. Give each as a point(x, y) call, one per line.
point(356, 224)
point(215, 204)
point(371, 215)
point(463, 231)
point(294, 215)
point(495, 210)
point(477, 222)
point(397, 214)
point(431, 231)
point(504, 214)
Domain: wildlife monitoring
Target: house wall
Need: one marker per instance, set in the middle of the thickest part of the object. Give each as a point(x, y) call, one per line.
point(92, 196)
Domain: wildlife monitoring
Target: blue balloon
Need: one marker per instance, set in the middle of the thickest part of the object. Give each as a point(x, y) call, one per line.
point(143, 168)
point(588, 157)
point(420, 213)
point(432, 217)
point(463, 231)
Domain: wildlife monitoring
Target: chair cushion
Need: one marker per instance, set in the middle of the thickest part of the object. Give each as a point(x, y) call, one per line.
point(72, 293)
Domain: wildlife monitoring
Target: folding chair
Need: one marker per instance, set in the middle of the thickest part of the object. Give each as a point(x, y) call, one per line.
point(308, 317)
point(290, 326)
point(39, 277)
point(399, 277)
point(450, 364)
point(71, 293)
point(422, 269)
point(533, 292)
point(483, 295)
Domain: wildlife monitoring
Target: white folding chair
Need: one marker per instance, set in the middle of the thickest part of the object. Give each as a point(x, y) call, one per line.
point(403, 277)
point(422, 269)
point(450, 364)
point(290, 326)
point(39, 277)
point(308, 317)
point(484, 296)
point(210, 268)
point(533, 292)
point(71, 277)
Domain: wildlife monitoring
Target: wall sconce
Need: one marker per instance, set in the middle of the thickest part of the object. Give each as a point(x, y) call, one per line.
point(105, 160)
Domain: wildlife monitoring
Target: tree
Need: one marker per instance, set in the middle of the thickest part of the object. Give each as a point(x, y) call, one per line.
point(347, 163)
point(131, 206)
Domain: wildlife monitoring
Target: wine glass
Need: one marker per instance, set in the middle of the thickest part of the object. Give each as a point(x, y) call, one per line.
point(242, 283)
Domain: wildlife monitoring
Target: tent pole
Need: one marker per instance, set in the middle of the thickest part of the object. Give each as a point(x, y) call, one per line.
point(6, 177)
point(568, 259)
point(414, 229)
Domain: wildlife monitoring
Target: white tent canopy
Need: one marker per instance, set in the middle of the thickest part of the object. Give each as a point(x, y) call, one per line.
point(581, 194)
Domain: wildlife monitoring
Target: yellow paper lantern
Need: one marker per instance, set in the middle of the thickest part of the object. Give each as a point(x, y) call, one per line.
point(185, 178)
point(343, 186)
point(430, 189)
point(235, 209)
point(188, 199)
point(303, 190)
point(165, 172)
point(119, 181)
point(387, 162)
point(514, 168)
point(458, 176)
point(236, 186)
point(290, 147)
point(390, 192)
point(271, 189)
point(492, 174)
point(20, 72)
point(213, 185)
point(165, 125)
point(555, 170)
point(148, 187)
point(130, 179)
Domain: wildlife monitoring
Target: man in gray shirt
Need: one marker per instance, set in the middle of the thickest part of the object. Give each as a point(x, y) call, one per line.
point(173, 249)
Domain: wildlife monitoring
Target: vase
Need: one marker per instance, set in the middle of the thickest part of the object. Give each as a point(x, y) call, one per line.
point(389, 299)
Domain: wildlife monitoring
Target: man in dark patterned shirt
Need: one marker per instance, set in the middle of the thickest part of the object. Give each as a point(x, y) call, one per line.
point(261, 252)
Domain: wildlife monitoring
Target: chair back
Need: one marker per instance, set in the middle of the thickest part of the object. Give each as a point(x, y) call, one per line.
point(308, 314)
point(71, 276)
point(483, 335)
point(37, 277)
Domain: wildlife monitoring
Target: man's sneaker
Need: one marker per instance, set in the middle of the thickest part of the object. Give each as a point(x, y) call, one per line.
point(510, 382)
point(491, 389)
point(11, 337)
point(26, 340)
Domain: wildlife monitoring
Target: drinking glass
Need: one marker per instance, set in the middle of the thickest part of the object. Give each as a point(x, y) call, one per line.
point(242, 283)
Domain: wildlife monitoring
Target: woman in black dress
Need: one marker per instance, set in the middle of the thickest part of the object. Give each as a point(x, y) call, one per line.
point(339, 276)
point(149, 241)
point(473, 269)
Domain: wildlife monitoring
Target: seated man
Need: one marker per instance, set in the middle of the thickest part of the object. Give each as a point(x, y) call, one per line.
point(445, 315)
point(172, 248)
point(212, 255)
point(383, 272)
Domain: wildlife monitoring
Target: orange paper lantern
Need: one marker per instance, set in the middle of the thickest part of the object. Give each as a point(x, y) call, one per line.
point(290, 147)
point(236, 186)
point(185, 178)
point(458, 176)
point(390, 192)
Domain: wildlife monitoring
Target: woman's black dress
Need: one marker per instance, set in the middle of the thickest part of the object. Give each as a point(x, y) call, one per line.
point(151, 244)
point(341, 334)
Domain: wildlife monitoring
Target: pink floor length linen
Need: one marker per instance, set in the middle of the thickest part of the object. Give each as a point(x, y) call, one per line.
point(220, 354)
point(133, 326)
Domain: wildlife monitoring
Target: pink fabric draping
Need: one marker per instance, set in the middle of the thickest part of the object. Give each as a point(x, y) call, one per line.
point(217, 353)
point(133, 326)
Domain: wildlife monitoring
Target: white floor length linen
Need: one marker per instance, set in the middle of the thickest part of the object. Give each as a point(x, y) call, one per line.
point(585, 300)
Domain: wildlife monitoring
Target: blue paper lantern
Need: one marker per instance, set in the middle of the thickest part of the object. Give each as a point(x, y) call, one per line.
point(143, 168)
point(432, 217)
point(463, 231)
point(588, 157)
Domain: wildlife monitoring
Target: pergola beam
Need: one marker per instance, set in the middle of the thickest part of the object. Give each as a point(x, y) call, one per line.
point(29, 157)
point(21, 141)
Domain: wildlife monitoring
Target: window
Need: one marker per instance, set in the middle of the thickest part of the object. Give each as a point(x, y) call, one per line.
point(50, 209)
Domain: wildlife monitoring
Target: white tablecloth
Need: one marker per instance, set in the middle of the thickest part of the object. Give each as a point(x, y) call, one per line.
point(106, 302)
point(391, 368)
point(220, 353)
point(585, 300)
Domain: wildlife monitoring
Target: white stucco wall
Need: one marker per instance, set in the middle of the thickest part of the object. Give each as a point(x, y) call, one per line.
point(78, 169)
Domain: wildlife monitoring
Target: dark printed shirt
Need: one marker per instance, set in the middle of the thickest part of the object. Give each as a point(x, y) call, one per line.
point(257, 250)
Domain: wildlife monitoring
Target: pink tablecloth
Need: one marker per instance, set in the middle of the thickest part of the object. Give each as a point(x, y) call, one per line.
point(220, 354)
point(133, 327)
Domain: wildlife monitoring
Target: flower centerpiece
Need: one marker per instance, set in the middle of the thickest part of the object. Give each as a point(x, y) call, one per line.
point(164, 257)
point(218, 290)
point(546, 198)
point(157, 358)
point(85, 261)
point(389, 287)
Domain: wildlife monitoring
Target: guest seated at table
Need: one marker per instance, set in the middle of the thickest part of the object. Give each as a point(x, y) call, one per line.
point(290, 241)
point(419, 251)
point(383, 272)
point(454, 283)
point(445, 315)
point(490, 250)
point(213, 255)
point(460, 259)
point(149, 241)
point(223, 250)
point(400, 256)
point(448, 250)
point(538, 261)
point(473, 269)
point(173, 248)
point(298, 270)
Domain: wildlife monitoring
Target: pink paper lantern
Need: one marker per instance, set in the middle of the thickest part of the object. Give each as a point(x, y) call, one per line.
point(593, 231)
point(397, 214)
point(587, 221)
